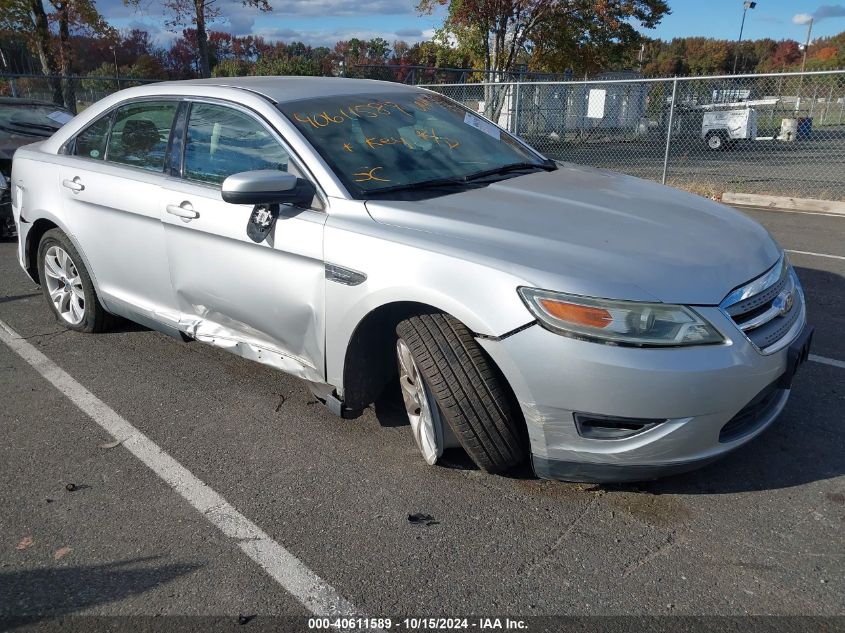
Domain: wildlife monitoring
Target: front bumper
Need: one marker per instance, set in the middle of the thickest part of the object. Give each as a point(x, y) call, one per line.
point(697, 390)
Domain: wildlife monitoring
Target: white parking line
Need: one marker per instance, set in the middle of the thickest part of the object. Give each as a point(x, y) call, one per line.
point(314, 593)
point(827, 361)
point(816, 254)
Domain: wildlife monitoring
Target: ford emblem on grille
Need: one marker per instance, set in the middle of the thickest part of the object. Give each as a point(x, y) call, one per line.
point(783, 302)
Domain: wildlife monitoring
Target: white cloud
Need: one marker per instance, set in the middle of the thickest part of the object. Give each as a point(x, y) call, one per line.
point(824, 12)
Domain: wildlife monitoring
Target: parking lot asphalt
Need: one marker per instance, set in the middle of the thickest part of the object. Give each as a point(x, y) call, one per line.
point(809, 168)
point(760, 532)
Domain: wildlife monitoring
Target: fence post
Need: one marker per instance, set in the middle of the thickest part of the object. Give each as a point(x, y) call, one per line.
point(516, 109)
point(669, 130)
point(827, 105)
point(813, 102)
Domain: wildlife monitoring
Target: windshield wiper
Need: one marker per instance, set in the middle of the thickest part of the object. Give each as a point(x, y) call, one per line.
point(436, 183)
point(23, 132)
point(463, 181)
point(504, 169)
point(35, 126)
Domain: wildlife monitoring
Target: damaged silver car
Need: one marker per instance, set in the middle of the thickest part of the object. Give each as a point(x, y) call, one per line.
point(366, 236)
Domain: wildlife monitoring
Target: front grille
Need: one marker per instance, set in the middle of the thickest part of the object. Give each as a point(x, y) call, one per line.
point(766, 309)
point(752, 415)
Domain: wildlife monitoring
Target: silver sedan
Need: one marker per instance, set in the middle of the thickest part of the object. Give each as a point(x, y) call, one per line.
point(368, 236)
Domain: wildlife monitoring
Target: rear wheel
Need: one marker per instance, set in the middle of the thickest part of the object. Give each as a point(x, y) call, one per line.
point(67, 285)
point(451, 387)
point(716, 140)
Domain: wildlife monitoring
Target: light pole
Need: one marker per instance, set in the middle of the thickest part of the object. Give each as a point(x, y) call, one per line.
point(745, 7)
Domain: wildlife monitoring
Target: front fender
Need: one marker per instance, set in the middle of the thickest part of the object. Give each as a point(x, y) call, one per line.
point(483, 299)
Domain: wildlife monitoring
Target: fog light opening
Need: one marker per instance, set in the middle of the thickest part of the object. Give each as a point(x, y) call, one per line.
point(600, 427)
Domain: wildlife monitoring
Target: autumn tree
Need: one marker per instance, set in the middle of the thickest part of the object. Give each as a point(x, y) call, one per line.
point(32, 18)
point(589, 36)
point(199, 14)
point(79, 15)
point(552, 33)
point(29, 18)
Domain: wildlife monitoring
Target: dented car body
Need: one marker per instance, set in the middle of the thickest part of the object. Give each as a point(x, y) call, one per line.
point(620, 330)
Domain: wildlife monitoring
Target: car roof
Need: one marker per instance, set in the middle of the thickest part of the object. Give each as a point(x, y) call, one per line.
point(287, 89)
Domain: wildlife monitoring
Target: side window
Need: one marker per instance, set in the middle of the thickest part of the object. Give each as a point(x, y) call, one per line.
point(91, 142)
point(139, 134)
point(223, 141)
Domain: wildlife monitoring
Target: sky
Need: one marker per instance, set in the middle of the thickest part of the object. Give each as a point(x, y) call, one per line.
point(324, 22)
point(770, 18)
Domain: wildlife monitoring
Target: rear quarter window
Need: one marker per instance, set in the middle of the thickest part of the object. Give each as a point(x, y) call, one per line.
point(91, 142)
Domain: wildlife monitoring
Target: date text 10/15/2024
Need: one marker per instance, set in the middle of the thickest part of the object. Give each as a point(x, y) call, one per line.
point(418, 624)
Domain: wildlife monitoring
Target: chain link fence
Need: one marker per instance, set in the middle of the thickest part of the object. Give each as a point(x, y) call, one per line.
point(82, 90)
point(778, 134)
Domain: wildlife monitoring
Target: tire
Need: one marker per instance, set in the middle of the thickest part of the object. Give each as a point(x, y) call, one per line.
point(78, 307)
point(470, 393)
point(716, 141)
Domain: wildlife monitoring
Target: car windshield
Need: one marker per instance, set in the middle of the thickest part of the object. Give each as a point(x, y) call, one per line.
point(393, 144)
point(27, 120)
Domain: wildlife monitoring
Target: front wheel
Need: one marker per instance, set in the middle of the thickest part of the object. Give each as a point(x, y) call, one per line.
point(67, 285)
point(451, 388)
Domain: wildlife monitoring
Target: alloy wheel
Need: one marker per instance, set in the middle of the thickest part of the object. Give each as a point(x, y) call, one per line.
point(64, 285)
point(426, 423)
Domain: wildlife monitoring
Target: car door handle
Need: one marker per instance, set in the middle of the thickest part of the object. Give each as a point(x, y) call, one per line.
point(184, 211)
point(74, 185)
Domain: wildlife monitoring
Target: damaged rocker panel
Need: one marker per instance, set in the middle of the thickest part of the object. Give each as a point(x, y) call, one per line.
point(277, 359)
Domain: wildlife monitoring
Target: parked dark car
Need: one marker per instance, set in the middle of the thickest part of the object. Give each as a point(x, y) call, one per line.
point(22, 121)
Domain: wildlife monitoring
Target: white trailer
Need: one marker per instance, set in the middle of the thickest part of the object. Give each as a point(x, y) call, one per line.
point(725, 123)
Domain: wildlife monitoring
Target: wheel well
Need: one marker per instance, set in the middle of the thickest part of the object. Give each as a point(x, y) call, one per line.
point(33, 239)
point(370, 361)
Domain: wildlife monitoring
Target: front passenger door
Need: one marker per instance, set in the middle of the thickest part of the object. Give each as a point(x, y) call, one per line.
point(263, 301)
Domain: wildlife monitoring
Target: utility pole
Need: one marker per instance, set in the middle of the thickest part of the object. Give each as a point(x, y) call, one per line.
point(803, 64)
point(745, 7)
point(807, 43)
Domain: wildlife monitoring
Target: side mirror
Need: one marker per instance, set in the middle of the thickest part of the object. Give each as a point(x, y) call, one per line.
point(266, 189)
point(266, 186)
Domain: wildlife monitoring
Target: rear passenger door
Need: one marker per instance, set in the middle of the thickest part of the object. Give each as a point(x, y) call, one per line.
point(111, 178)
point(263, 301)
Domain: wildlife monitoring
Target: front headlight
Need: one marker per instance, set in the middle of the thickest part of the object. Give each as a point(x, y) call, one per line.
point(620, 322)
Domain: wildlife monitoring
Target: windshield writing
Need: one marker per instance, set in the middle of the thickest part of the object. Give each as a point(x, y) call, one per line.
point(402, 139)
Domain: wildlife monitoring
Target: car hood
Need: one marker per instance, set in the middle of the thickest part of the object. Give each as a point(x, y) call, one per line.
point(10, 143)
point(596, 233)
